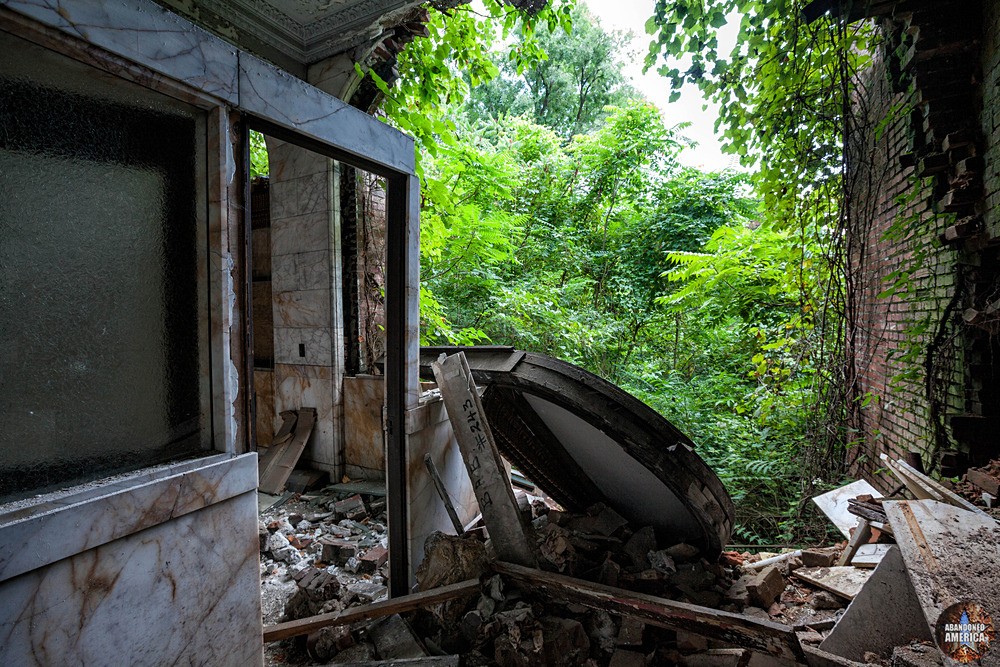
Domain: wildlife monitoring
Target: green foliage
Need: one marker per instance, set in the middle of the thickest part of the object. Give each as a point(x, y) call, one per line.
point(567, 227)
point(569, 88)
point(258, 155)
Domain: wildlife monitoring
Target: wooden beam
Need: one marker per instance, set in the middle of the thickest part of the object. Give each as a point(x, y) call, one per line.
point(734, 629)
point(304, 626)
point(482, 460)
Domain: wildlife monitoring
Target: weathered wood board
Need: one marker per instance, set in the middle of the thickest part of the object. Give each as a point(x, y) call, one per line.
point(280, 459)
point(734, 629)
point(489, 477)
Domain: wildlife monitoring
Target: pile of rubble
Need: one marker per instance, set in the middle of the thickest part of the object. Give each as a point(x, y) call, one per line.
point(606, 592)
point(320, 553)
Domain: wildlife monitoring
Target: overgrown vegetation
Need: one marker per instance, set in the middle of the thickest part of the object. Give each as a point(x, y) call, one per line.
point(557, 218)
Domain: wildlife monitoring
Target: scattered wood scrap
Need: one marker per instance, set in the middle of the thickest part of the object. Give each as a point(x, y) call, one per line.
point(843, 581)
point(923, 487)
point(398, 605)
point(277, 463)
point(734, 629)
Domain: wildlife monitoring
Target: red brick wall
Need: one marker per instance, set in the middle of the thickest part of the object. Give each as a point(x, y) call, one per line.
point(907, 344)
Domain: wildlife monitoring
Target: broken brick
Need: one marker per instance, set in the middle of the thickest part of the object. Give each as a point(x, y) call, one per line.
point(337, 550)
point(373, 559)
point(764, 588)
point(350, 508)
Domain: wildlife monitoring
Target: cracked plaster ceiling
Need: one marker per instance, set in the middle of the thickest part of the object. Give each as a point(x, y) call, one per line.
point(294, 33)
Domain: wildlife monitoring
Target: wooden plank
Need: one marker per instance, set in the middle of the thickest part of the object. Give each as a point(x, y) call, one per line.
point(941, 492)
point(951, 555)
point(916, 489)
point(733, 629)
point(861, 536)
point(843, 581)
point(275, 473)
point(489, 477)
point(404, 603)
point(427, 661)
point(442, 491)
point(834, 504)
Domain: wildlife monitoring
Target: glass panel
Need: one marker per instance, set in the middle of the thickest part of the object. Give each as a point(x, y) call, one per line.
point(99, 311)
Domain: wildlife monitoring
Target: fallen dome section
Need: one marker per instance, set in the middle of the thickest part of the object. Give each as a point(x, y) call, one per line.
point(584, 440)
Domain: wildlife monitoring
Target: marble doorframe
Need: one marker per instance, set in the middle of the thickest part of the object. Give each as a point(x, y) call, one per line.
point(101, 570)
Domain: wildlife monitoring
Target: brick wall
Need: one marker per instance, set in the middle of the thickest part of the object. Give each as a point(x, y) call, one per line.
point(923, 130)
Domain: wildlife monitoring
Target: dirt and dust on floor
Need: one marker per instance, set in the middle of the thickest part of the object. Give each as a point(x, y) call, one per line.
point(608, 592)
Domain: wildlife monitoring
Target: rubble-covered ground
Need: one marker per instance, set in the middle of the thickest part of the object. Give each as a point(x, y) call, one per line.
point(326, 551)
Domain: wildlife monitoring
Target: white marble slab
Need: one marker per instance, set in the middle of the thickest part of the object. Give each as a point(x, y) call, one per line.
point(43, 535)
point(299, 196)
point(290, 102)
point(302, 271)
point(147, 34)
point(302, 308)
point(184, 592)
point(304, 233)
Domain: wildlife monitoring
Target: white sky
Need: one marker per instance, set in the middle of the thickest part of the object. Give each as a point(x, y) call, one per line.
point(631, 16)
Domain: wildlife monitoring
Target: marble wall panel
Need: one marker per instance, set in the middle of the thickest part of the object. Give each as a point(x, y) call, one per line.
point(111, 511)
point(303, 308)
point(181, 592)
point(299, 196)
point(426, 511)
point(301, 271)
point(364, 434)
point(147, 34)
point(302, 233)
point(299, 386)
point(288, 161)
point(302, 346)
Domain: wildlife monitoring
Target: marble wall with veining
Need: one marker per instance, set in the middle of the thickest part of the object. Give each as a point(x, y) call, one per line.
point(306, 296)
point(157, 569)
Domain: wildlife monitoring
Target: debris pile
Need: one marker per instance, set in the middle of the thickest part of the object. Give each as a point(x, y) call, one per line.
point(320, 553)
point(534, 584)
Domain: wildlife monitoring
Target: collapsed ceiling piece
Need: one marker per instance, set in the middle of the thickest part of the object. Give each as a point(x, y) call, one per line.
point(584, 440)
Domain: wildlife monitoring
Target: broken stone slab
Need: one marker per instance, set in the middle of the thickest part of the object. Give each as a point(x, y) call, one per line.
point(352, 507)
point(844, 581)
point(449, 559)
point(337, 550)
point(818, 557)
point(834, 504)
point(395, 639)
point(765, 587)
point(683, 552)
point(624, 658)
point(358, 654)
point(565, 641)
point(639, 545)
point(631, 631)
point(916, 655)
point(883, 615)
point(661, 561)
point(599, 520)
point(367, 591)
